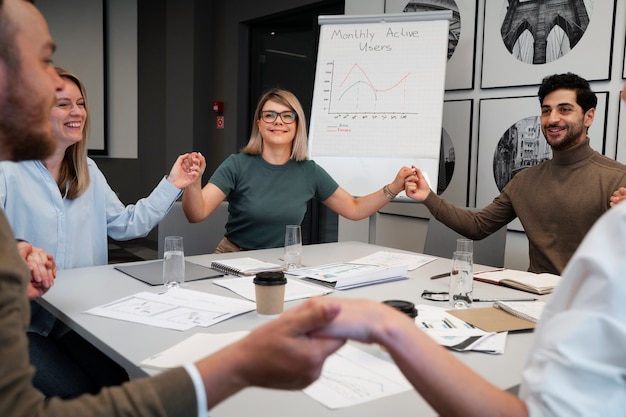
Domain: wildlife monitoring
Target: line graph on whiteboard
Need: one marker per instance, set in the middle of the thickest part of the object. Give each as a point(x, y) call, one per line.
point(356, 93)
point(378, 99)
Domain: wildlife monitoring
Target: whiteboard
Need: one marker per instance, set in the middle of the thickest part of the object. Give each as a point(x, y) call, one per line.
point(378, 98)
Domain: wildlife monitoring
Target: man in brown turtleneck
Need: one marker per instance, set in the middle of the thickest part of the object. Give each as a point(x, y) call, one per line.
point(557, 201)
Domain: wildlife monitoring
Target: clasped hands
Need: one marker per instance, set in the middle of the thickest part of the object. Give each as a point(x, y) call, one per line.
point(618, 195)
point(42, 268)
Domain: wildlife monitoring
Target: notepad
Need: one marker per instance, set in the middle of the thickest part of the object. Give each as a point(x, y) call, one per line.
point(244, 266)
point(521, 280)
point(152, 272)
point(527, 310)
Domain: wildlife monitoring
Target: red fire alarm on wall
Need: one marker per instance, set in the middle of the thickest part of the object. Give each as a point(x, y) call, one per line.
point(218, 107)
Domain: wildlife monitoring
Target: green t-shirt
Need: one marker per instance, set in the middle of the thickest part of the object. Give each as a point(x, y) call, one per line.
point(264, 198)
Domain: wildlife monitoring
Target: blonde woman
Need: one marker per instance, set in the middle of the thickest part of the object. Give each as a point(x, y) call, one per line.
point(269, 183)
point(68, 211)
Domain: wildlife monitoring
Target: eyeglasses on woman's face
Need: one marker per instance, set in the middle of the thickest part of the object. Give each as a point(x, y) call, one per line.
point(270, 116)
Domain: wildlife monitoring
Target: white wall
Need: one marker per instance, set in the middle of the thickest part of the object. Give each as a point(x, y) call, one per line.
point(408, 231)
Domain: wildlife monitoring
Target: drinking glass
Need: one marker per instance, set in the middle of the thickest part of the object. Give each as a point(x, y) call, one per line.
point(465, 245)
point(461, 280)
point(173, 262)
point(293, 246)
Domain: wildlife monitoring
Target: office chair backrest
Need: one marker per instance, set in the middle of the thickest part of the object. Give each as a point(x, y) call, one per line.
point(441, 241)
point(198, 238)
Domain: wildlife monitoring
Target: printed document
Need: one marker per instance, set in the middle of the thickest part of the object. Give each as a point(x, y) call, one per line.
point(177, 309)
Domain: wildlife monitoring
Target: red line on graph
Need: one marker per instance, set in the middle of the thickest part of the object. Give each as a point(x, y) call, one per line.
point(370, 82)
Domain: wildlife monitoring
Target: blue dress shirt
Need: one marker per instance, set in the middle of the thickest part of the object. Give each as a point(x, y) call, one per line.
point(75, 231)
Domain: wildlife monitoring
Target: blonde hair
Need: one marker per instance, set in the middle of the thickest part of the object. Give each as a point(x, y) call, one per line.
point(299, 145)
point(74, 175)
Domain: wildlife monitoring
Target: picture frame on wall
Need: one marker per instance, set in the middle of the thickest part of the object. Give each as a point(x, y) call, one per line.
point(461, 66)
point(513, 57)
point(620, 150)
point(456, 148)
point(503, 124)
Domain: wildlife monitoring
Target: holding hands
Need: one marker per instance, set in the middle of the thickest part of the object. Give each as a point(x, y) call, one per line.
point(618, 195)
point(416, 186)
point(42, 267)
point(187, 169)
point(399, 182)
point(284, 353)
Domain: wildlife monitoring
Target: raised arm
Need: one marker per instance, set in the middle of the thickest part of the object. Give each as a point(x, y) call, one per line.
point(344, 204)
point(198, 202)
point(186, 170)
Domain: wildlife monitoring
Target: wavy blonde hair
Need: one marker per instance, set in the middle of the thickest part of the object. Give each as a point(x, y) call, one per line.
point(74, 176)
point(299, 145)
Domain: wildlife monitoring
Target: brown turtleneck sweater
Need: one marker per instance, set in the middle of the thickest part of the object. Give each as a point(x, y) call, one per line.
point(556, 201)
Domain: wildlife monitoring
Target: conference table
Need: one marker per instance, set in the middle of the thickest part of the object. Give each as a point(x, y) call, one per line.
point(128, 343)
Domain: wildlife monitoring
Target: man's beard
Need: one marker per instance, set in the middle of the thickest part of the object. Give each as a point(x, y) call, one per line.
point(574, 131)
point(24, 128)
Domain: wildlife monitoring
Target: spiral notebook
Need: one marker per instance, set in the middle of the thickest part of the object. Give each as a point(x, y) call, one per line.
point(527, 310)
point(244, 266)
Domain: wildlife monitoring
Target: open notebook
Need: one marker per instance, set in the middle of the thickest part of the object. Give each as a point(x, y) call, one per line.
point(152, 272)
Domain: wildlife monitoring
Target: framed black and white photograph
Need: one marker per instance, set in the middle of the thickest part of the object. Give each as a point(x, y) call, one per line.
point(510, 140)
point(454, 160)
point(462, 37)
point(526, 40)
point(620, 151)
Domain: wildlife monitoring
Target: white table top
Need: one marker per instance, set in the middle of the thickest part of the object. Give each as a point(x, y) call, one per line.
point(77, 290)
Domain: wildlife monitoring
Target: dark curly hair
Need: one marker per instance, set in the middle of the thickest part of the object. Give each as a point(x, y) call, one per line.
point(585, 98)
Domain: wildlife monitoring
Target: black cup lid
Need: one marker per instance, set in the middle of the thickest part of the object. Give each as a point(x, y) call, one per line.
point(405, 307)
point(270, 278)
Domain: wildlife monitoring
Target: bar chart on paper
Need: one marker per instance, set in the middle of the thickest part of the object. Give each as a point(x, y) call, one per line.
point(378, 99)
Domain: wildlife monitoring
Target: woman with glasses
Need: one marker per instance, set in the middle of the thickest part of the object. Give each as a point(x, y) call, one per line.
point(269, 183)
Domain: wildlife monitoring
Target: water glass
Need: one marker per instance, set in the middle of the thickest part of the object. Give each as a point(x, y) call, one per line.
point(465, 245)
point(461, 280)
point(173, 262)
point(293, 246)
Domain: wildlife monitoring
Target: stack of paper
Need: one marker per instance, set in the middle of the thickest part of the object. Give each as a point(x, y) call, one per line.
point(346, 275)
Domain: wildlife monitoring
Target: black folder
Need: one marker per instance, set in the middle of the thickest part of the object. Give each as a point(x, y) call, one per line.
point(152, 272)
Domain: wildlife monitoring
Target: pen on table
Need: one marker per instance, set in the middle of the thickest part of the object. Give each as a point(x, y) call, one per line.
point(446, 274)
point(478, 300)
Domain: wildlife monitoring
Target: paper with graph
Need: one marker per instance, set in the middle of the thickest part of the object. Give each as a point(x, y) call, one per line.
point(378, 100)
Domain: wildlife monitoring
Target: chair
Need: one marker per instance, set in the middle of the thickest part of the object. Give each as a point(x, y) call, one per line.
point(198, 238)
point(441, 241)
